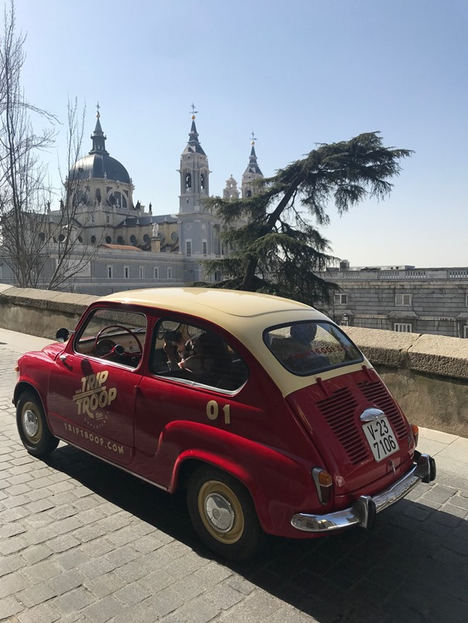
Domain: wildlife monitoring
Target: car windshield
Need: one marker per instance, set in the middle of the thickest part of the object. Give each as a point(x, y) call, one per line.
point(309, 347)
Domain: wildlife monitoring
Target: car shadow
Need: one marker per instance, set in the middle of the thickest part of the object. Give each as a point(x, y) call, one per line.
point(413, 566)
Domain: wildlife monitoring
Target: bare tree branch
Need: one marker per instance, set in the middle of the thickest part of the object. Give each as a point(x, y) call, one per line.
point(40, 246)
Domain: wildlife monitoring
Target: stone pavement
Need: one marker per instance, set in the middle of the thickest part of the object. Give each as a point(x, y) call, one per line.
point(83, 541)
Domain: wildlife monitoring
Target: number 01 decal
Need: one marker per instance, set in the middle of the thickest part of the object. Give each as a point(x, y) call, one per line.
point(212, 411)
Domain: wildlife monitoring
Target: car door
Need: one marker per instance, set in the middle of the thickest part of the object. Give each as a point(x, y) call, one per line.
point(174, 397)
point(92, 386)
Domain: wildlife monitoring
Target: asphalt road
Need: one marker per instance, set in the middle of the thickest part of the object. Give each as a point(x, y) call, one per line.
point(83, 541)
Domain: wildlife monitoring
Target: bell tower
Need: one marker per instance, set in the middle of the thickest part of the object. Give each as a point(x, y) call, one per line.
point(194, 173)
point(251, 173)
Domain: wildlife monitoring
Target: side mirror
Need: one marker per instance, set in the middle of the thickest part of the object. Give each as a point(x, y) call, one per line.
point(62, 335)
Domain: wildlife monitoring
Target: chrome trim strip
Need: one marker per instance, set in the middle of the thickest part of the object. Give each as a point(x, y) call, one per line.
point(197, 385)
point(356, 514)
point(151, 482)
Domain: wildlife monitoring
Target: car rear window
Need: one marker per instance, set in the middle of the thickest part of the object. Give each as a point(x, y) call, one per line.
point(309, 347)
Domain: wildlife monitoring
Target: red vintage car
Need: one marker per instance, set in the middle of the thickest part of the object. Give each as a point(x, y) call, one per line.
point(260, 407)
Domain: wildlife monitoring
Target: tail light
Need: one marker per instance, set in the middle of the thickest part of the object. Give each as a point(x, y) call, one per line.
point(415, 431)
point(323, 483)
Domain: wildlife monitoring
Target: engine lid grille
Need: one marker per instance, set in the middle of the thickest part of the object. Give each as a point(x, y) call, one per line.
point(376, 393)
point(339, 411)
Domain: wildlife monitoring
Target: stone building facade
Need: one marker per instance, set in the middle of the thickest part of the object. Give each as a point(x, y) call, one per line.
point(402, 298)
point(130, 247)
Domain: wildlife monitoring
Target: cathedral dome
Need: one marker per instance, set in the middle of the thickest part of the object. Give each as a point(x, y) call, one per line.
point(99, 165)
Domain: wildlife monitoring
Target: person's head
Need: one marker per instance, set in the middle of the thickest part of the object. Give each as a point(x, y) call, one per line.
point(209, 345)
point(173, 337)
point(303, 332)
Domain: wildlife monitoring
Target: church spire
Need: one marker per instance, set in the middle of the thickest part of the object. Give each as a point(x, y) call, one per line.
point(253, 167)
point(193, 144)
point(251, 173)
point(98, 137)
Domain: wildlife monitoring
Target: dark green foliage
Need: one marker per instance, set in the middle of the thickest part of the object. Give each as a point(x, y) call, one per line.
point(275, 247)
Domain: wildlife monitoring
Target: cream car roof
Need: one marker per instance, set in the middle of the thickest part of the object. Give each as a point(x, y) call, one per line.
point(243, 314)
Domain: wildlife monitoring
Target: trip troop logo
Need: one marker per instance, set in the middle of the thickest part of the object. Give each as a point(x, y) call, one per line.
point(93, 396)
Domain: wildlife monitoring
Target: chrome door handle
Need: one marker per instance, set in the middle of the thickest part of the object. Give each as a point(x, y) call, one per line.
point(63, 359)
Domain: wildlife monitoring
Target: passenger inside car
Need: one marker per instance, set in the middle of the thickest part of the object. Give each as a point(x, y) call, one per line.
point(298, 350)
point(188, 352)
point(204, 358)
point(306, 347)
point(304, 357)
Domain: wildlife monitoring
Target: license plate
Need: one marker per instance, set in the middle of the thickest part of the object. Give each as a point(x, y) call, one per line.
point(380, 437)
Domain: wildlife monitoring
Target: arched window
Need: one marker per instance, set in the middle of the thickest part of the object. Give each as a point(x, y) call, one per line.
point(93, 239)
point(133, 239)
point(188, 180)
point(118, 199)
point(108, 239)
point(120, 240)
point(42, 236)
point(202, 181)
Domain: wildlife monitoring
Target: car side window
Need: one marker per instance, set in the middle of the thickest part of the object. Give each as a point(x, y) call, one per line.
point(113, 335)
point(194, 354)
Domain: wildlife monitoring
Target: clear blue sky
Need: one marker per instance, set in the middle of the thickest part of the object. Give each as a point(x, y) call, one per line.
point(297, 73)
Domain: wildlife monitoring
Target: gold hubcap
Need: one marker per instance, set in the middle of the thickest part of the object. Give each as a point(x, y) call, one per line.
point(221, 511)
point(32, 422)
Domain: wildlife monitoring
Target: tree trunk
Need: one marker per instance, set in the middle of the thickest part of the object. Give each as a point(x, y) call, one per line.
point(248, 283)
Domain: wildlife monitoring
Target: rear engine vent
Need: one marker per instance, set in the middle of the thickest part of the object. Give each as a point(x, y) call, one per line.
point(377, 394)
point(339, 411)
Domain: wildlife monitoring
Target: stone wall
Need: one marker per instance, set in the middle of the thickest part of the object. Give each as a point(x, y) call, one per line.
point(40, 312)
point(428, 374)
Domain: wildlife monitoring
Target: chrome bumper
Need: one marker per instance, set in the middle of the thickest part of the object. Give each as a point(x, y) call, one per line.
point(362, 512)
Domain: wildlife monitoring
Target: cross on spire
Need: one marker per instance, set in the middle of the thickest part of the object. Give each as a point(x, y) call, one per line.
point(253, 138)
point(98, 114)
point(194, 112)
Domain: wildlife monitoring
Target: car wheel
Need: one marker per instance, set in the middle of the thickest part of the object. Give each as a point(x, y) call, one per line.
point(223, 514)
point(32, 426)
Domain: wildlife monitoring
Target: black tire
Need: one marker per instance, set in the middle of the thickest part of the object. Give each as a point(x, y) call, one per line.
point(32, 426)
point(223, 514)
